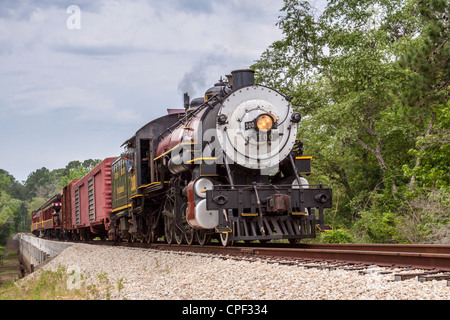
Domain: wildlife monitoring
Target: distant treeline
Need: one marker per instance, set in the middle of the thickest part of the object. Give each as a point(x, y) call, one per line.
point(17, 200)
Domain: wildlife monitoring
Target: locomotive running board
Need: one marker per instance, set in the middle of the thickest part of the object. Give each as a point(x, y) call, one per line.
point(275, 227)
point(324, 227)
point(223, 229)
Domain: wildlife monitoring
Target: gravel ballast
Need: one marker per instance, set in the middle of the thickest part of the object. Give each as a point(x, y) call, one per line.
point(127, 273)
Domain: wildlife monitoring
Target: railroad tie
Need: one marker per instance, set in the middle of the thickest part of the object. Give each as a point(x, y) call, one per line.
point(442, 276)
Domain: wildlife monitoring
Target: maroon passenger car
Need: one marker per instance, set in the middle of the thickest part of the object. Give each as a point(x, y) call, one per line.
point(45, 221)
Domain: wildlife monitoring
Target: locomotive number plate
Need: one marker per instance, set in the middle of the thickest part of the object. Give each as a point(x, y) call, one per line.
point(249, 125)
point(264, 136)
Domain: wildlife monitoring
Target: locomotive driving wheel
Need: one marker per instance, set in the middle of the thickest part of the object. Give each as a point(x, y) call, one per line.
point(168, 231)
point(182, 236)
point(225, 237)
point(151, 237)
point(190, 236)
point(168, 221)
point(179, 235)
point(203, 237)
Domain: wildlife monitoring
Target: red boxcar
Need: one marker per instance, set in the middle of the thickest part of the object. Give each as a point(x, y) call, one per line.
point(91, 202)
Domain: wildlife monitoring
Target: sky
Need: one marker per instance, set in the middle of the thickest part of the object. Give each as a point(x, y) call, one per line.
point(79, 77)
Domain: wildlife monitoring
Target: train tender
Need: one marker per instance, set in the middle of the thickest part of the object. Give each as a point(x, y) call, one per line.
point(229, 165)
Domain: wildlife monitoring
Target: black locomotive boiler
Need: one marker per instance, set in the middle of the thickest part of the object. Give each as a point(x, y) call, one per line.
point(228, 165)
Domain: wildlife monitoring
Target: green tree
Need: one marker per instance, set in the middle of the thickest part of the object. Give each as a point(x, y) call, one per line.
point(76, 170)
point(12, 209)
point(17, 201)
point(427, 62)
point(42, 183)
point(370, 78)
point(10, 215)
point(9, 184)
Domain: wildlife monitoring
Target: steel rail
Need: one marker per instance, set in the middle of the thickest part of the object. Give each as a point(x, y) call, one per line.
point(417, 248)
point(383, 258)
point(416, 256)
point(421, 256)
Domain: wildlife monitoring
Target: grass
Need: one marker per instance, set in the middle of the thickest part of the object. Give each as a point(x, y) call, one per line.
point(9, 267)
point(58, 285)
point(45, 285)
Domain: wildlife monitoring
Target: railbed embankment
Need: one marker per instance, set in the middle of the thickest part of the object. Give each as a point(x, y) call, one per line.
point(137, 273)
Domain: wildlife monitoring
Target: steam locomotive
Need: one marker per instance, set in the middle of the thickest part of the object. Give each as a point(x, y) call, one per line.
point(228, 165)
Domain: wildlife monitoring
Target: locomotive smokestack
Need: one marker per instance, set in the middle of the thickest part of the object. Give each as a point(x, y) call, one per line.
point(242, 78)
point(186, 101)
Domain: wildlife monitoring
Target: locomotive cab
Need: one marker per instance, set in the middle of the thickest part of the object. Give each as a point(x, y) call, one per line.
point(134, 177)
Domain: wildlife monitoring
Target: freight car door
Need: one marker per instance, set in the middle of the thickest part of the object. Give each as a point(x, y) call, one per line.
point(91, 199)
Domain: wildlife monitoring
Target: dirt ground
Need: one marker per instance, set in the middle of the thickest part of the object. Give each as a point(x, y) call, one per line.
point(10, 269)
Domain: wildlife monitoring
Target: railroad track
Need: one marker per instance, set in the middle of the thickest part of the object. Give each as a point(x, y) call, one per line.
point(435, 259)
point(413, 256)
point(428, 257)
point(413, 259)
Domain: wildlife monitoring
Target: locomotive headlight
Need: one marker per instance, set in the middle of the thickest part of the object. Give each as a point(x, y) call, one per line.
point(265, 122)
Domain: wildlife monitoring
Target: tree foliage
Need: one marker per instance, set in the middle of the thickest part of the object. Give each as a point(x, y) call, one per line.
point(76, 170)
point(12, 209)
point(371, 79)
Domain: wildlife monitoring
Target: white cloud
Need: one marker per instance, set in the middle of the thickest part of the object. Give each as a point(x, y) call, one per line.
point(119, 71)
point(88, 105)
point(123, 27)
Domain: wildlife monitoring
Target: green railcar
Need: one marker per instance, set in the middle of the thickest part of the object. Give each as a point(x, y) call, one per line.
point(123, 184)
